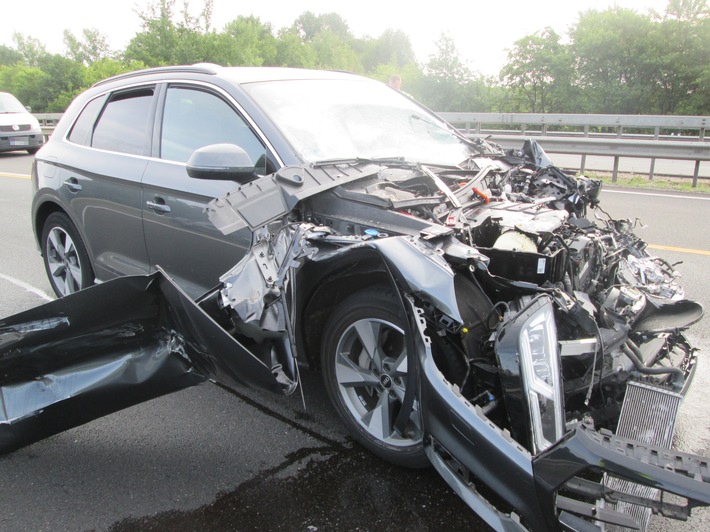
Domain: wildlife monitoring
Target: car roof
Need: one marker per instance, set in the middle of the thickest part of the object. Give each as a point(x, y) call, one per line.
point(238, 75)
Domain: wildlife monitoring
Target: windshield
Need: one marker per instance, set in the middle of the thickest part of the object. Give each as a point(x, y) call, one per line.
point(340, 119)
point(10, 104)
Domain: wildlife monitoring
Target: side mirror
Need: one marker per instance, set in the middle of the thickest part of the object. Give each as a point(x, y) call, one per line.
point(227, 162)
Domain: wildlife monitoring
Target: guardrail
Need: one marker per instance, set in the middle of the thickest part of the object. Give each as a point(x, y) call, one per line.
point(47, 121)
point(642, 136)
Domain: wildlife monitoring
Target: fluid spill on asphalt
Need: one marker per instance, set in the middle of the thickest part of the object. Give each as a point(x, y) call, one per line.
point(335, 489)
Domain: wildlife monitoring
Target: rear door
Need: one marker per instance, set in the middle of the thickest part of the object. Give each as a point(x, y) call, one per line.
point(179, 236)
point(101, 178)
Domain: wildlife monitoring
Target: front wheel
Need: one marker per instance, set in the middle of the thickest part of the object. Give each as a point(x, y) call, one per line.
point(365, 366)
point(65, 257)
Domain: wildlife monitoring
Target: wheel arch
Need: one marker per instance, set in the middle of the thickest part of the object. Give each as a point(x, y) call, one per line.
point(44, 210)
point(326, 285)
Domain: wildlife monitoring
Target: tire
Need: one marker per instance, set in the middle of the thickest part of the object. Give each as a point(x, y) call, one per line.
point(65, 258)
point(32, 151)
point(367, 389)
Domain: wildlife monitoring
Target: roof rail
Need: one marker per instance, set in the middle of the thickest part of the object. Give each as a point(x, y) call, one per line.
point(199, 68)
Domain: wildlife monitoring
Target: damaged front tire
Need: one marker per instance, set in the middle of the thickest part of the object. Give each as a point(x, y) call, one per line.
point(365, 366)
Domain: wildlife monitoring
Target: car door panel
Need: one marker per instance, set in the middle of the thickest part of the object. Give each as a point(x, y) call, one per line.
point(179, 236)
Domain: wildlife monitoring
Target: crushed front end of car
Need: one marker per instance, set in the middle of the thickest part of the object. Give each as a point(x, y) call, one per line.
point(473, 317)
point(545, 354)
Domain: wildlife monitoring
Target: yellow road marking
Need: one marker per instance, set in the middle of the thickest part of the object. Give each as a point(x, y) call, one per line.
point(680, 250)
point(16, 176)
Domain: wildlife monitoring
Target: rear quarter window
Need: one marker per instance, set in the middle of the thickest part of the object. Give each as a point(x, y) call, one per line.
point(84, 126)
point(124, 123)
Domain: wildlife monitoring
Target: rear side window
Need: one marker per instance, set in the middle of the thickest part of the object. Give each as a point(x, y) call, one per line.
point(195, 118)
point(124, 124)
point(84, 125)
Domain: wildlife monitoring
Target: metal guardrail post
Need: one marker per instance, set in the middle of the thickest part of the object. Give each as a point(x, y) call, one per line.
point(656, 132)
point(696, 171)
point(583, 163)
point(615, 171)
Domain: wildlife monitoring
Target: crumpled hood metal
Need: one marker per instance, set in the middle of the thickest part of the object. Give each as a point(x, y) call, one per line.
point(70, 361)
point(268, 198)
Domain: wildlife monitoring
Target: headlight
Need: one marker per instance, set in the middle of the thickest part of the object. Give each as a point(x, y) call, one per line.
point(528, 356)
point(540, 365)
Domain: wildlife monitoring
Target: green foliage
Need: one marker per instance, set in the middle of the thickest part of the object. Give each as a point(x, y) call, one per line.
point(391, 48)
point(8, 56)
point(91, 49)
point(245, 41)
point(106, 68)
point(689, 10)
point(613, 61)
point(29, 48)
point(26, 83)
point(539, 72)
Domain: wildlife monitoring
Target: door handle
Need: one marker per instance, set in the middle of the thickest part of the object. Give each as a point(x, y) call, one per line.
point(158, 206)
point(72, 184)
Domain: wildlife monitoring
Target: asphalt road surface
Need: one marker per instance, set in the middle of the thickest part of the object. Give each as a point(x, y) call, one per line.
point(211, 459)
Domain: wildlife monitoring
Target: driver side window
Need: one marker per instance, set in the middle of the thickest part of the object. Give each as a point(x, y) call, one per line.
point(195, 118)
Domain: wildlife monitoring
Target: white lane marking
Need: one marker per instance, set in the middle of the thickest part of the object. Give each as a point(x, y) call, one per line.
point(659, 194)
point(28, 287)
point(16, 176)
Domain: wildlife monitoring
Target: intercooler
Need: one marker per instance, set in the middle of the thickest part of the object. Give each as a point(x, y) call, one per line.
point(648, 415)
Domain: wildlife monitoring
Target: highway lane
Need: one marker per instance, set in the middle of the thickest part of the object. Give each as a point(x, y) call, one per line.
point(208, 458)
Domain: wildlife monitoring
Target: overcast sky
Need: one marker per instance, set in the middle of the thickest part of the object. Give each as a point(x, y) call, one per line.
point(482, 30)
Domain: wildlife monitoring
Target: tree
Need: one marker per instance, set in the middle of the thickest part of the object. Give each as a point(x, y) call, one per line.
point(168, 40)
point(448, 84)
point(292, 51)
point(332, 51)
point(308, 25)
point(63, 82)
point(92, 48)
point(8, 56)
point(689, 10)
point(246, 41)
point(540, 69)
point(446, 64)
point(26, 83)
point(393, 47)
point(615, 60)
point(29, 48)
point(106, 68)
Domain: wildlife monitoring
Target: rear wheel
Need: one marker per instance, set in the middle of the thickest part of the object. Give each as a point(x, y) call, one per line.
point(65, 257)
point(365, 368)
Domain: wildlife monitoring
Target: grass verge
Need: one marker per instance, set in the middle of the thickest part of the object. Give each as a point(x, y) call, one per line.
point(676, 184)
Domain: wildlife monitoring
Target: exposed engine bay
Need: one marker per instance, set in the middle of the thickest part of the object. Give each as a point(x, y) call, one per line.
point(536, 230)
point(522, 238)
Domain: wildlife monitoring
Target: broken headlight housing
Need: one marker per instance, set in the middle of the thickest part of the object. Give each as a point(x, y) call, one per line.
point(539, 361)
point(527, 351)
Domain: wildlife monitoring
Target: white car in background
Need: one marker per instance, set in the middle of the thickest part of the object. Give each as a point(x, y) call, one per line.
point(19, 130)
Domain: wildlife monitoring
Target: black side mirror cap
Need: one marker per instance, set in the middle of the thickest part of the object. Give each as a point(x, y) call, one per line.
point(226, 162)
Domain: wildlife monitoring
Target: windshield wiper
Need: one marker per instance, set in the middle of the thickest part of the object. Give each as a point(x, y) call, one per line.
point(384, 161)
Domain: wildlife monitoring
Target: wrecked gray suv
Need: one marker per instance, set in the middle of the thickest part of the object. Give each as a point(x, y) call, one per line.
point(468, 307)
